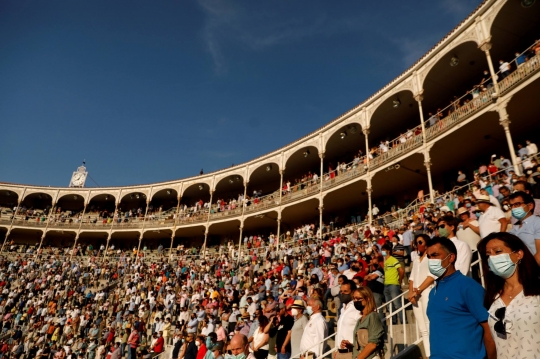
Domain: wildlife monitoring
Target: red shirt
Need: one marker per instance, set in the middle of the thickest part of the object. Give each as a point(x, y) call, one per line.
point(158, 347)
point(202, 351)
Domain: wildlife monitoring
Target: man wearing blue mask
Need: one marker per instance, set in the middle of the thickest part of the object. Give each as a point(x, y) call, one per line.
point(527, 227)
point(458, 319)
point(239, 348)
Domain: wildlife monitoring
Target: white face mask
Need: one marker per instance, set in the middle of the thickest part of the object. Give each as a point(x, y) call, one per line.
point(197, 343)
point(294, 312)
point(301, 294)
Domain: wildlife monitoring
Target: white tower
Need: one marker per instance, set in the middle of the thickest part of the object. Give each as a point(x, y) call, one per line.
point(79, 177)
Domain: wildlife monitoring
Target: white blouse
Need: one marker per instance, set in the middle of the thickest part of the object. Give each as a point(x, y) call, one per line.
point(419, 273)
point(522, 322)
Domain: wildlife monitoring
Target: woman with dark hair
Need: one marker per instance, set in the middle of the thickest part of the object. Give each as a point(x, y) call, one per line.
point(420, 284)
point(512, 279)
point(260, 339)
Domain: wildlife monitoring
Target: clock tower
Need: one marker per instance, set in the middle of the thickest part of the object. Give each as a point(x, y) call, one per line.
point(79, 177)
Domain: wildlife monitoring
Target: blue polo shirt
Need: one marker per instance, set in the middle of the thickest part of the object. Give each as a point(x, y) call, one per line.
point(528, 232)
point(455, 311)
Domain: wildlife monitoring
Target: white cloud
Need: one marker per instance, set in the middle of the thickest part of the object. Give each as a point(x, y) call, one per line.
point(227, 23)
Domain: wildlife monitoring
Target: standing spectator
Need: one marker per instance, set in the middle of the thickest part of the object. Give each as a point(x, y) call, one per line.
point(260, 339)
point(420, 284)
point(407, 240)
point(457, 319)
point(300, 324)
point(447, 227)
point(532, 149)
point(492, 219)
point(284, 333)
point(192, 348)
point(504, 69)
point(315, 331)
point(465, 233)
point(393, 276)
point(348, 317)
point(370, 322)
point(527, 227)
point(133, 343)
point(512, 295)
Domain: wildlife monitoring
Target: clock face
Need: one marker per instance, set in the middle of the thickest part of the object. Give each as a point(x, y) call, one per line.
point(78, 179)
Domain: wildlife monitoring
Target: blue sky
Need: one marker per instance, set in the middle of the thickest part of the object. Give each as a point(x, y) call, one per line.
point(150, 91)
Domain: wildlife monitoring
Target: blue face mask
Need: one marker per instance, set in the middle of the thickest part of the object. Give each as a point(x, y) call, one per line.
point(519, 213)
point(436, 268)
point(232, 356)
point(309, 310)
point(502, 265)
point(468, 205)
point(384, 253)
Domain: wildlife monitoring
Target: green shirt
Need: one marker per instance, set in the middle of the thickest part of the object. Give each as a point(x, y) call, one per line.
point(374, 326)
point(391, 274)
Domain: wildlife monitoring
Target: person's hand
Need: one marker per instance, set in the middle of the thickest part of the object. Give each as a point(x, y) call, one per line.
point(283, 351)
point(412, 299)
point(345, 344)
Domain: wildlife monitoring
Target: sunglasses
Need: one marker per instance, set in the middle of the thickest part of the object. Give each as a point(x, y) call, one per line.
point(499, 325)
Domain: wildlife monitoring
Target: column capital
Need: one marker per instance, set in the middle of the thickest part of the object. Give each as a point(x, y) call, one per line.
point(505, 122)
point(369, 190)
point(485, 46)
point(246, 183)
point(282, 171)
point(365, 131)
point(427, 164)
point(321, 208)
point(321, 155)
point(419, 97)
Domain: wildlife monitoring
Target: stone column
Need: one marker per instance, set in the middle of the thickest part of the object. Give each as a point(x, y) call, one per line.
point(486, 46)
point(505, 123)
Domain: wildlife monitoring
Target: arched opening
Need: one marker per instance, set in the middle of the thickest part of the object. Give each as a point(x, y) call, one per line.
point(194, 203)
point(263, 187)
point(8, 201)
point(305, 213)
point(68, 208)
point(449, 84)
point(345, 149)
point(36, 204)
point(132, 206)
point(100, 209)
point(221, 233)
point(466, 149)
point(514, 29)
point(398, 185)
point(228, 195)
point(163, 204)
point(302, 174)
point(346, 205)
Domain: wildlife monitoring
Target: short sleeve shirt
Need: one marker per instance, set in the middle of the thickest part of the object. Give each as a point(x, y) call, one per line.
point(489, 221)
point(285, 325)
point(391, 274)
point(455, 311)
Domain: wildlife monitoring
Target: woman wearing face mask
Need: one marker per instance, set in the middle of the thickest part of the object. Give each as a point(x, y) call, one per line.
point(512, 279)
point(420, 284)
point(368, 337)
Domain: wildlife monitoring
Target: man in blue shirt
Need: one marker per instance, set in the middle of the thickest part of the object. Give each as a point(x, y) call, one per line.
point(458, 326)
point(527, 227)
